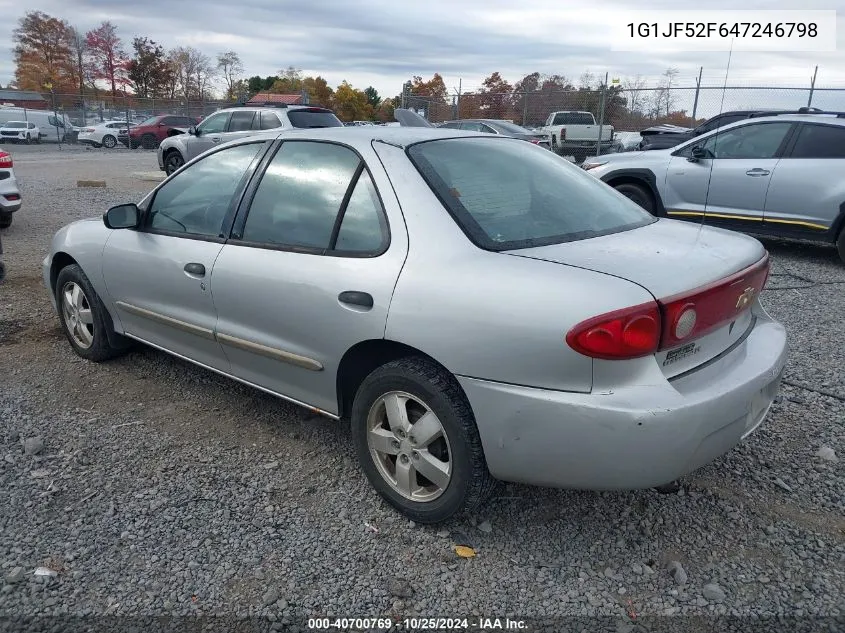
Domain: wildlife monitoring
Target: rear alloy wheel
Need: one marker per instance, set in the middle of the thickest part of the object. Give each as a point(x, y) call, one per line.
point(417, 442)
point(148, 141)
point(173, 161)
point(638, 194)
point(83, 316)
point(109, 141)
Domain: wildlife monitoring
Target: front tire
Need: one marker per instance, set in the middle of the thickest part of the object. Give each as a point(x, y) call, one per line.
point(172, 161)
point(417, 441)
point(28, 139)
point(638, 194)
point(83, 317)
point(109, 141)
point(6, 220)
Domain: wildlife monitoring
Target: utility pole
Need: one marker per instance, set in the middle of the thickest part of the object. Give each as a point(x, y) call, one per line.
point(697, 88)
point(459, 98)
point(812, 87)
point(601, 114)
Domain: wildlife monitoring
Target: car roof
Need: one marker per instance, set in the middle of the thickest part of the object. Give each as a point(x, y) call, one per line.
point(272, 108)
point(364, 134)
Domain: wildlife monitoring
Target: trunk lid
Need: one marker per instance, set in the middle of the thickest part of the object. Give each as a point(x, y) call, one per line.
point(673, 260)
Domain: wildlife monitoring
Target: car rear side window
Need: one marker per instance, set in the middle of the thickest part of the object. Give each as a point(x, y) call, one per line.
point(362, 227)
point(241, 121)
point(819, 141)
point(270, 121)
point(195, 201)
point(313, 118)
point(507, 194)
point(300, 195)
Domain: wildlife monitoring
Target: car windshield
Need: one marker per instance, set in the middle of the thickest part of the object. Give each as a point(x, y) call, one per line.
point(506, 127)
point(506, 194)
point(308, 118)
point(16, 124)
point(151, 121)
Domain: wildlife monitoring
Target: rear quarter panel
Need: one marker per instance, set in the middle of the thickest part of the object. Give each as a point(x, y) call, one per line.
point(490, 315)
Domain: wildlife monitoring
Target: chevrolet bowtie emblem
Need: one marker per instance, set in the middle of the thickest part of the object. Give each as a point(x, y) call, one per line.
point(745, 298)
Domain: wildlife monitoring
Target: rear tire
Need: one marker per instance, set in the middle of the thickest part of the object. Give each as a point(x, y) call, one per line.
point(109, 141)
point(417, 388)
point(638, 194)
point(172, 161)
point(84, 319)
point(6, 220)
point(148, 141)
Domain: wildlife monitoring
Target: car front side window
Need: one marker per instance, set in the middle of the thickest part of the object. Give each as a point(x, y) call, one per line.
point(759, 140)
point(195, 201)
point(215, 124)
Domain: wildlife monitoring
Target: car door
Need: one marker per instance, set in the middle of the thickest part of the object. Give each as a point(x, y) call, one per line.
point(807, 192)
point(159, 275)
point(734, 175)
point(208, 134)
point(309, 269)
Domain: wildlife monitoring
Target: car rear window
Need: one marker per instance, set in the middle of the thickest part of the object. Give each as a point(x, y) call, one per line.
point(574, 118)
point(507, 194)
point(308, 118)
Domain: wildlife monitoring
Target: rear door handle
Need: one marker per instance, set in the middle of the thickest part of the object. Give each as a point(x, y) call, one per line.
point(195, 269)
point(355, 298)
point(757, 172)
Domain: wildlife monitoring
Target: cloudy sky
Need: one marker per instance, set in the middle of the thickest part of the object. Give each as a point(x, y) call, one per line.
point(384, 42)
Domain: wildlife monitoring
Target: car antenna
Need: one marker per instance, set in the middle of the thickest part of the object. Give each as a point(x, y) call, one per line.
point(716, 135)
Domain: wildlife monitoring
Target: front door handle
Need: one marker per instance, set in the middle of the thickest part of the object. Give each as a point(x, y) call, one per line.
point(195, 269)
point(757, 172)
point(355, 298)
point(215, 139)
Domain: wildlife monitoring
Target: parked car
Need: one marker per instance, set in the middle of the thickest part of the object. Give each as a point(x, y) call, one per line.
point(577, 134)
point(239, 122)
point(148, 134)
point(20, 132)
point(665, 136)
point(589, 344)
point(626, 141)
point(770, 176)
point(10, 196)
point(53, 126)
point(103, 134)
point(499, 126)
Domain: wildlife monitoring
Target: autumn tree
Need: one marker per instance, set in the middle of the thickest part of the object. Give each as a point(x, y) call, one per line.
point(230, 66)
point(106, 55)
point(429, 96)
point(495, 97)
point(385, 111)
point(351, 104)
point(319, 91)
point(373, 97)
point(289, 82)
point(43, 52)
point(148, 71)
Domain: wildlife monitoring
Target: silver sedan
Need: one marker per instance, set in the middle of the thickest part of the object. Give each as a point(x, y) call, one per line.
point(476, 307)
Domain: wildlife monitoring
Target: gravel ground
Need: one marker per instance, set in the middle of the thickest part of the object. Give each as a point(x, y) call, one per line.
point(156, 488)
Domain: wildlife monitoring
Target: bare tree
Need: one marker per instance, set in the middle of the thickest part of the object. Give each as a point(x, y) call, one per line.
point(664, 100)
point(193, 72)
point(229, 64)
point(633, 87)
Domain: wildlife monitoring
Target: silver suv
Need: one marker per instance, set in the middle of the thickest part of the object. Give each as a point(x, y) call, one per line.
point(773, 176)
point(239, 122)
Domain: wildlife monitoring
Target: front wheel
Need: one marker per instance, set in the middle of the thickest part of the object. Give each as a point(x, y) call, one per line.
point(417, 441)
point(28, 139)
point(109, 141)
point(6, 220)
point(173, 161)
point(638, 194)
point(83, 317)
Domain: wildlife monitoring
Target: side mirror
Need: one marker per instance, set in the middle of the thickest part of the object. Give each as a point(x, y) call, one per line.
point(193, 130)
point(123, 216)
point(696, 154)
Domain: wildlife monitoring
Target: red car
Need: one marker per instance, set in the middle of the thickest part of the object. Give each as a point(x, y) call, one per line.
point(155, 129)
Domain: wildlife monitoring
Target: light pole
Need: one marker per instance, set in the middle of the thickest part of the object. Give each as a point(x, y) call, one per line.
point(49, 86)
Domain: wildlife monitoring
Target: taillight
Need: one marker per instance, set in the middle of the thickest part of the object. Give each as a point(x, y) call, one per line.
point(698, 312)
point(534, 141)
point(6, 160)
point(12, 196)
point(89, 130)
point(627, 333)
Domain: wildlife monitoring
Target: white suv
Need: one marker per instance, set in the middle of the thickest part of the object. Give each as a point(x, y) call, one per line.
point(238, 122)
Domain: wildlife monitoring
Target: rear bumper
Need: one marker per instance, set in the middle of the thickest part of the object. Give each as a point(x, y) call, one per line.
point(9, 187)
point(638, 436)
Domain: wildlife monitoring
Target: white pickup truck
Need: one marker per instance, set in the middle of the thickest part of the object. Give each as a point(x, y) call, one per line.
point(576, 133)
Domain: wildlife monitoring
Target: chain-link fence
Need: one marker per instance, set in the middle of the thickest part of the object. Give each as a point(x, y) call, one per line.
point(625, 109)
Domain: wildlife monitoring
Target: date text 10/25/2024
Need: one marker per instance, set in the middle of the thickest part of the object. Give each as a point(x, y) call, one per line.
point(416, 624)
